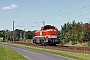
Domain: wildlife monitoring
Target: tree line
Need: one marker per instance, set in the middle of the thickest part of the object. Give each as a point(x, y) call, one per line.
point(18, 34)
point(71, 32)
point(75, 33)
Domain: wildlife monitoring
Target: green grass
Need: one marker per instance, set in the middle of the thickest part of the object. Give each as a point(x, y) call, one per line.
point(73, 55)
point(8, 54)
point(3, 43)
point(78, 44)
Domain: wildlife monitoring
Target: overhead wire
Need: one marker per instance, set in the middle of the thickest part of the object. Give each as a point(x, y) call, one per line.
point(77, 16)
point(62, 9)
point(70, 12)
point(76, 12)
point(67, 12)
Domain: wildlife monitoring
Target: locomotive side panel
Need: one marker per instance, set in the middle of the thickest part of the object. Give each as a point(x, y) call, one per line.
point(46, 36)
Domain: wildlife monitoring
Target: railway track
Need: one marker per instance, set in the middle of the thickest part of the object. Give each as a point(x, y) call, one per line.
point(62, 48)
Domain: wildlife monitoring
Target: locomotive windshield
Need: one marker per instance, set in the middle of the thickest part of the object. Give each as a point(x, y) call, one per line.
point(48, 27)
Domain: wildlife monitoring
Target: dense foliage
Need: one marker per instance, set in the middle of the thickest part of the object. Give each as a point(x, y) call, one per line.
point(75, 33)
point(18, 35)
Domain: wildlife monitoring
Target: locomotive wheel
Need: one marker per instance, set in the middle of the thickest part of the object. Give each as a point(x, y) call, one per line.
point(52, 44)
point(45, 44)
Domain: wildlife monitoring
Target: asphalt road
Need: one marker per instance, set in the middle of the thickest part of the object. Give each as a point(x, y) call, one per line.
point(35, 55)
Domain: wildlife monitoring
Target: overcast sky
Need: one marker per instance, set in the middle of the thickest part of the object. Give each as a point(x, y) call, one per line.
point(30, 14)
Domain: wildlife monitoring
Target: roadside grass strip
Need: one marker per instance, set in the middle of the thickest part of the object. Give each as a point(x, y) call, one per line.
point(8, 54)
point(4, 43)
point(73, 55)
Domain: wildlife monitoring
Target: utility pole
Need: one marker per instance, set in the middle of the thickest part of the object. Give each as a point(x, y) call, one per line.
point(5, 35)
point(13, 31)
point(43, 23)
point(24, 35)
point(20, 35)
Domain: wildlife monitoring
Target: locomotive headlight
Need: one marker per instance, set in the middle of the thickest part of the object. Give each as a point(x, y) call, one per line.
point(46, 40)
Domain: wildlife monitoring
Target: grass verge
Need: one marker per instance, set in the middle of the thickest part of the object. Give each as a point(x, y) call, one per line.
point(8, 54)
point(73, 55)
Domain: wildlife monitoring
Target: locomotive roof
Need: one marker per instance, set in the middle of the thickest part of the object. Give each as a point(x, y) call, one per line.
point(47, 27)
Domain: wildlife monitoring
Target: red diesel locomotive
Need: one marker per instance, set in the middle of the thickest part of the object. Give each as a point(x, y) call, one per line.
point(48, 35)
